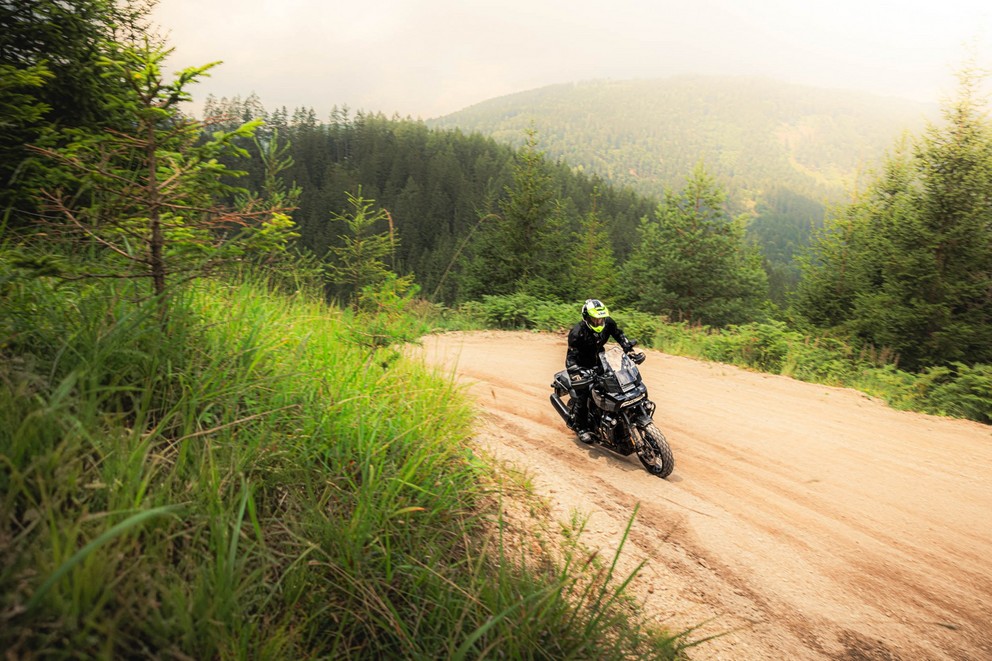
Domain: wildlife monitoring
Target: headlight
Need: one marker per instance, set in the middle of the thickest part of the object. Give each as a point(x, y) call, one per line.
point(632, 401)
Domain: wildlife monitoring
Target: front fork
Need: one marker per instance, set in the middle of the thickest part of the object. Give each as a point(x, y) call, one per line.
point(639, 418)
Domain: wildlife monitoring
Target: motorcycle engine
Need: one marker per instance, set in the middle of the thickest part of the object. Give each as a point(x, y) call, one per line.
point(607, 426)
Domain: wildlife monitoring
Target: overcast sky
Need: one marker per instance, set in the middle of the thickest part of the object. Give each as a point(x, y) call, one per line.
point(426, 58)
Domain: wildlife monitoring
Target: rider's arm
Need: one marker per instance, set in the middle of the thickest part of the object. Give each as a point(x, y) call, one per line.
point(621, 339)
point(572, 355)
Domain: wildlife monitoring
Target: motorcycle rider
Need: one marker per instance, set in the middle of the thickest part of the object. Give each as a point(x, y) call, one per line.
point(585, 341)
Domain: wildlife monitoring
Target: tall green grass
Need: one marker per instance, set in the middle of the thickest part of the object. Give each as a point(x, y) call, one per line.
point(250, 478)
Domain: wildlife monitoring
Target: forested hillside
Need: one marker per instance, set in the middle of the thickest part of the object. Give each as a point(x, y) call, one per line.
point(753, 134)
point(782, 152)
point(437, 186)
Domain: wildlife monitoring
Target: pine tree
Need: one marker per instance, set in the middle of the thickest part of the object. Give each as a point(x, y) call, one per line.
point(593, 266)
point(693, 262)
point(359, 264)
point(908, 265)
point(152, 191)
point(520, 248)
point(50, 53)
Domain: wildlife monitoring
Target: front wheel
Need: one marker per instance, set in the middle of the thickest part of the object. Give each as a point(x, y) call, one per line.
point(654, 451)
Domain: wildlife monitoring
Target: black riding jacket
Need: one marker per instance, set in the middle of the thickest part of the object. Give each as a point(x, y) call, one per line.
point(584, 344)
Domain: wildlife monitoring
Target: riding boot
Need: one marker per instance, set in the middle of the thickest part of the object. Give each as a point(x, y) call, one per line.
point(582, 423)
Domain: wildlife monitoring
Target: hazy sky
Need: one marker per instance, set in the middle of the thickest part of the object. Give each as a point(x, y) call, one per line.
point(426, 58)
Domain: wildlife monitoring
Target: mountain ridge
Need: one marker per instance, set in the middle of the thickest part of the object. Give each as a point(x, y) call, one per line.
point(783, 152)
point(650, 133)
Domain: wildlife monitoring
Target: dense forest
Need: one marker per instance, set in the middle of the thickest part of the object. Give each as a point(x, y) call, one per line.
point(438, 187)
point(783, 153)
point(471, 217)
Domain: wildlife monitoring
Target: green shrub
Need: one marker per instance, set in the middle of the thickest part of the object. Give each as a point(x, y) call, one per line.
point(819, 360)
point(888, 383)
point(526, 312)
point(639, 326)
point(771, 347)
point(960, 391)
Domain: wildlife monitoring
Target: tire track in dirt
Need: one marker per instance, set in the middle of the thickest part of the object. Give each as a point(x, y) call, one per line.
point(803, 521)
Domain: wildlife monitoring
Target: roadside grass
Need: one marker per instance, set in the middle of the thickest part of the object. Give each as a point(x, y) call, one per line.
point(957, 390)
point(250, 478)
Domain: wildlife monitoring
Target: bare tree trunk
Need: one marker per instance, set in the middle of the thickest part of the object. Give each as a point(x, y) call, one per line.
point(156, 261)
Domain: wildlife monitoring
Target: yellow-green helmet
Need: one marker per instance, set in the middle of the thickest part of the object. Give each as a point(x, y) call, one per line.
point(595, 314)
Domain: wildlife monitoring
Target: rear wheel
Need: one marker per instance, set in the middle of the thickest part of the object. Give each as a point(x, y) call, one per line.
point(654, 452)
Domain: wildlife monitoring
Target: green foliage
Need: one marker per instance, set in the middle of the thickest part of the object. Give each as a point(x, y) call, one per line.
point(960, 390)
point(21, 112)
point(908, 266)
point(229, 482)
point(150, 191)
point(780, 151)
point(782, 225)
point(357, 264)
point(524, 247)
point(383, 315)
point(692, 262)
point(523, 311)
point(441, 188)
point(69, 39)
point(761, 346)
point(593, 265)
point(520, 311)
point(60, 45)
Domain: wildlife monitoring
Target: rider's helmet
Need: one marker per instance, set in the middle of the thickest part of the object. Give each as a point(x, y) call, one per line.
point(595, 314)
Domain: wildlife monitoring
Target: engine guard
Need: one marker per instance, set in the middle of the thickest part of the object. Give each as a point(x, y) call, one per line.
point(559, 406)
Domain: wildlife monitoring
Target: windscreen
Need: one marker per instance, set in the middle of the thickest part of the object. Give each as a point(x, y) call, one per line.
point(626, 375)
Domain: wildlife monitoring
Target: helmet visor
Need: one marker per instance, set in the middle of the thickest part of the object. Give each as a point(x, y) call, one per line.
point(596, 325)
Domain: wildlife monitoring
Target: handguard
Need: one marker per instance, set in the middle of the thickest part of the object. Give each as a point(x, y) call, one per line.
point(580, 376)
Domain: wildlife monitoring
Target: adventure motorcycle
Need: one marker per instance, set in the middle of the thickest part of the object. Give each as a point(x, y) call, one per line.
point(619, 411)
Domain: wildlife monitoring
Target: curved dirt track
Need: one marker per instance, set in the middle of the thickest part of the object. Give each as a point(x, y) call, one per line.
point(807, 522)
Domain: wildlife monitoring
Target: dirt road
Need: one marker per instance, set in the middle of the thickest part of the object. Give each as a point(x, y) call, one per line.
point(809, 522)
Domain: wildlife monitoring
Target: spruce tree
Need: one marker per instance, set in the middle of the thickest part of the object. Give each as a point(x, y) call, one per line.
point(593, 266)
point(908, 265)
point(359, 263)
point(50, 54)
point(153, 192)
point(693, 262)
point(520, 249)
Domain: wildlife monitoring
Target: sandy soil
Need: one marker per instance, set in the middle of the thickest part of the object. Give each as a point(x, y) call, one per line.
point(803, 521)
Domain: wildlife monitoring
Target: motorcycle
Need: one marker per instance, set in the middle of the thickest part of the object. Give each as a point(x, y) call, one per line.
point(619, 411)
